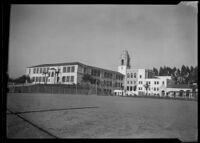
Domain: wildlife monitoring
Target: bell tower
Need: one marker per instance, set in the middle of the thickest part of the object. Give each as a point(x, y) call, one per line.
point(124, 62)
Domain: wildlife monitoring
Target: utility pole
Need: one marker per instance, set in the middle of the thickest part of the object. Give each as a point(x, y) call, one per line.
point(96, 86)
point(76, 88)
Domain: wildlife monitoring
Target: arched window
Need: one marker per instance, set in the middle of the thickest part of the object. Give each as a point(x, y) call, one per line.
point(52, 74)
point(187, 93)
point(181, 93)
point(122, 62)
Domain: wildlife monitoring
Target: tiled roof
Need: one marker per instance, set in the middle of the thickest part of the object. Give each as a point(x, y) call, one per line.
point(72, 63)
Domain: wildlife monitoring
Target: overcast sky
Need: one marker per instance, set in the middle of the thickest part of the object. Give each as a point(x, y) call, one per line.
point(97, 34)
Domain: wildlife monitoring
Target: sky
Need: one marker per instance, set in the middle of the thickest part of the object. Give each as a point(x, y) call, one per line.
point(96, 35)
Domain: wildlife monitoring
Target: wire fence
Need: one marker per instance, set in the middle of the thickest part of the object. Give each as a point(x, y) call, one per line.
point(59, 89)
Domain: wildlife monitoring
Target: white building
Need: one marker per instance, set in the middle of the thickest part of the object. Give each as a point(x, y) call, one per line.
point(72, 73)
point(141, 81)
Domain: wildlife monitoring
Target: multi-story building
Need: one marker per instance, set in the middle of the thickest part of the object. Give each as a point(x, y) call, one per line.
point(72, 73)
point(141, 81)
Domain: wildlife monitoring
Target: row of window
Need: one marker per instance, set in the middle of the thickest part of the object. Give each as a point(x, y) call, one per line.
point(68, 69)
point(107, 75)
point(39, 70)
point(39, 79)
point(95, 72)
point(130, 75)
point(131, 82)
point(44, 79)
point(107, 83)
point(119, 77)
point(68, 79)
point(131, 88)
point(140, 82)
point(43, 70)
point(140, 88)
point(155, 82)
point(118, 84)
point(148, 82)
point(155, 89)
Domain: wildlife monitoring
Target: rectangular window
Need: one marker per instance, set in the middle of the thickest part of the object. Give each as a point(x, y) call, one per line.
point(154, 89)
point(134, 75)
point(63, 79)
point(40, 70)
point(149, 82)
point(163, 82)
point(46, 79)
point(157, 89)
point(131, 75)
point(36, 79)
point(130, 88)
point(127, 82)
point(33, 79)
point(64, 69)
point(154, 82)
point(68, 69)
point(52, 74)
point(68, 78)
point(34, 70)
point(39, 79)
point(37, 70)
point(29, 71)
point(72, 69)
point(140, 76)
point(157, 82)
point(72, 78)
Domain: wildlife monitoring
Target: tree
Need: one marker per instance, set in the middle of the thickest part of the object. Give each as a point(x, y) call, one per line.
point(146, 86)
point(183, 70)
point(23, 79)
point(87, 78)
point(165, 71)
point(161, 71)
point(155, 71)
point(191, 68)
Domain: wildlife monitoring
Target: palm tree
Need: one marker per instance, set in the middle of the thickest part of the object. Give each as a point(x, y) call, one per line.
point(45, 73)
point(57, 72)
point(146, 86)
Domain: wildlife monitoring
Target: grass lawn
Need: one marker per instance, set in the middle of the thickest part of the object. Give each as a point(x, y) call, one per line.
point(91, 116)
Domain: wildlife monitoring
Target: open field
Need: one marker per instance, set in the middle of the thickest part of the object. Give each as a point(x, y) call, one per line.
point(91, 116)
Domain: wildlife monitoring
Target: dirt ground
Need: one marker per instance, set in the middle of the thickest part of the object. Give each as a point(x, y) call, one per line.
point(91, 116)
